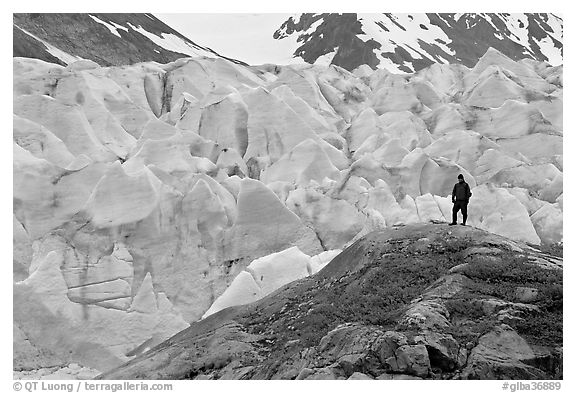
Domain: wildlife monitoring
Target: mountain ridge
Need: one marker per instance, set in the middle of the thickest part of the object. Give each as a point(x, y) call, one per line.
point(404, 43)
point(107, 39)
point(411, 42)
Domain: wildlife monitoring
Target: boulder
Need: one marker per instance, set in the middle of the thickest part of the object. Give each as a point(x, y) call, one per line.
point(501, 353)
point(410, 359)
point(356, 355)
point(526, 294)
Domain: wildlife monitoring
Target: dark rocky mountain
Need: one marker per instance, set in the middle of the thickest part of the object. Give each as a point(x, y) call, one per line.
point(107, 39)
point(414, 302)
point(411, 42)
point(397, 42)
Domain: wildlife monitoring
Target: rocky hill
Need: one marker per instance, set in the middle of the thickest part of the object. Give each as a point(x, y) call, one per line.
point(414, 302)
point(107, 39)
point(149, 196)
point(411, 42)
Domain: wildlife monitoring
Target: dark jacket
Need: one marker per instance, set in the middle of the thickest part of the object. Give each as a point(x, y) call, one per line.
point(461, 192)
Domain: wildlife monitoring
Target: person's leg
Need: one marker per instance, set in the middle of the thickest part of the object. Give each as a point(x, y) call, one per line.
point(455, 209)
point(464, 208)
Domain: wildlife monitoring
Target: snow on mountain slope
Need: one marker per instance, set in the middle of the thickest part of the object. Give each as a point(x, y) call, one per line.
point(59, 54)
point(410, 42)
point(406, 31)
point(173, 43)
point(107, 39)
point(396, 42)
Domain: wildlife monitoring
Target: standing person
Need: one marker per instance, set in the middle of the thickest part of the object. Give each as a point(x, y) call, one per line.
point(460, 196)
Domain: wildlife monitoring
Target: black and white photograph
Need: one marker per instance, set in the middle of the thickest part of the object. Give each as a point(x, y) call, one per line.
point(305, 195)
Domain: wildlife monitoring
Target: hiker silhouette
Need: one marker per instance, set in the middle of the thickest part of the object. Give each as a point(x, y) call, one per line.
point(460, 196)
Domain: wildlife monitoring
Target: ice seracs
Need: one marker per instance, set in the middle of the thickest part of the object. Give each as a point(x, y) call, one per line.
point(497, 208)
point(307, 161)
point(67, 122)
point(148, 196)
point(41, 142)
point(107, 205)
point(264, 223)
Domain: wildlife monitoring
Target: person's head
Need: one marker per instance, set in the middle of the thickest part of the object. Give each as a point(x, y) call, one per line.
point(460, 178)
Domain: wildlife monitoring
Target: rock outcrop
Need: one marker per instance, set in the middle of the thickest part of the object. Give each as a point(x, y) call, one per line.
point(423, 301)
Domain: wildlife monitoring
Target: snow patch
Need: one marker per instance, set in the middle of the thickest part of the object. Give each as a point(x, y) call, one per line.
point(314, 26)
point(518, 26)
point(60, 54)
point(326, 60)
point(489, 20)
point(387, 64)
point(550, 51)
point(113, 27)
point(514, 23)
point(117, 26)
point(555, 24)
point(408, 36)
point(172, 43)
